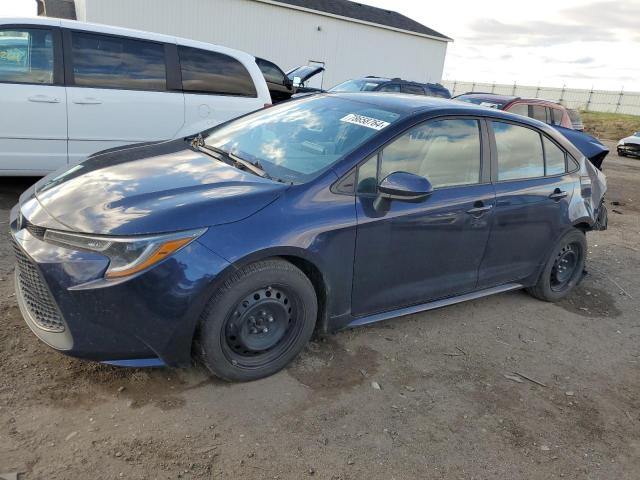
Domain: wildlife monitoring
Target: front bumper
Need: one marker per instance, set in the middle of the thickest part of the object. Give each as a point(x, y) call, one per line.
point(630, 149)
point(151, 316)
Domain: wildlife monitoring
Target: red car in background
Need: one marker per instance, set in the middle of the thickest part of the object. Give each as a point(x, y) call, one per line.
point(546, 111)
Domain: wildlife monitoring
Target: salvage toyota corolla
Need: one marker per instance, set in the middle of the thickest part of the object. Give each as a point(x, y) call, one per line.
point(329, 212)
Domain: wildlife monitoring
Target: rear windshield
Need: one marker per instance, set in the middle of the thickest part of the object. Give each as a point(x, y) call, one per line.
point(296, 141)
point(482, 101)
point(356, 86)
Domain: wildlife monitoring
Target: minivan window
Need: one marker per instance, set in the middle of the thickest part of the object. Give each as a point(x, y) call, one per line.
point(520, 152)
point(205, 71)
point(446, 152)
point(104, 61)
point(26, 56)
point(295, 141)
point(554, 158)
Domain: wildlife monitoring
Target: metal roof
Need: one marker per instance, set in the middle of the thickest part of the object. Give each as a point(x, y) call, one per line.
point(340, 8)
point(364, 13)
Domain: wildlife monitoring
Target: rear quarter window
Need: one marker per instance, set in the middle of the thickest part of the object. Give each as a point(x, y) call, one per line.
point(204, 71)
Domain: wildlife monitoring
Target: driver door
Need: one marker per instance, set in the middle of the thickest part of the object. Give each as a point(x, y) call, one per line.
point(412, 252)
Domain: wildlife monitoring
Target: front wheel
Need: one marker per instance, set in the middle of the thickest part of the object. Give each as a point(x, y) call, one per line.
point(257, 322)
point(564, 268)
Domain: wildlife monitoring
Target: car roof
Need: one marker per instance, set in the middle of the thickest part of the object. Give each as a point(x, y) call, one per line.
point(404, 103)
point(505, 99)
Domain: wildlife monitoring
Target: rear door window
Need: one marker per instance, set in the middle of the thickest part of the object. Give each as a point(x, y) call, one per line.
point(26, 56)
point(389, 87)
point(539, 113)
point(520, 153)
point(519, 109)
point(555, 158)
point(204, 71)
point(412, 89)
point(104, 61)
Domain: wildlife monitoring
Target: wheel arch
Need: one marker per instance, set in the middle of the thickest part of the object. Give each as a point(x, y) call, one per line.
point(309, 264)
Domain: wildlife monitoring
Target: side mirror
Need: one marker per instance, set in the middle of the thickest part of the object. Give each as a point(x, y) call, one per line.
point(404, 186)
point(297, 81)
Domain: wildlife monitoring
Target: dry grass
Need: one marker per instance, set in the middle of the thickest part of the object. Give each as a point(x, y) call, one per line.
point(612, 126)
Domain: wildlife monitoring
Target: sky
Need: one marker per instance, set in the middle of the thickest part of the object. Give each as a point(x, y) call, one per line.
point(577, 43)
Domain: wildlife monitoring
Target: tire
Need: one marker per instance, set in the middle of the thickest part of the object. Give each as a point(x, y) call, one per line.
point(564, 268)
point(257, 322)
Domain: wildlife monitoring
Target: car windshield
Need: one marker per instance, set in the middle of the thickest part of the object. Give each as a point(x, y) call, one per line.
point(356, 86)
point(295, 142)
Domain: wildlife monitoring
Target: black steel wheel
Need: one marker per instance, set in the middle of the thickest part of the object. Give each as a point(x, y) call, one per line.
point(564, 266)
point(563, 269)
point(258, 321)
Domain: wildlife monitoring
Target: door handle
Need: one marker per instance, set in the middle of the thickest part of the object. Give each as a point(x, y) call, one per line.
point(558, 194)
point(479, 208)
point(87, 101)
point(43, 99)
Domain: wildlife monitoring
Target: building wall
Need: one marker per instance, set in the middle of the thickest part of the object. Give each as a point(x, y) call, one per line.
point(287, 37)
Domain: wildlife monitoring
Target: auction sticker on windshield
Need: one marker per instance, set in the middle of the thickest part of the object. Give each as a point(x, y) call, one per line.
point(364, 121)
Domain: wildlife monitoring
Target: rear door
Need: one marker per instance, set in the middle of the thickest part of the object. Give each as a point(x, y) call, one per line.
point(533, 194)
point(117, 91)
point(411, 252)
point(33, 118)
point(217, 87)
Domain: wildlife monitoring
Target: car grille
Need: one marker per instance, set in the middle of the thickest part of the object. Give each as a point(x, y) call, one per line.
point(36, 295)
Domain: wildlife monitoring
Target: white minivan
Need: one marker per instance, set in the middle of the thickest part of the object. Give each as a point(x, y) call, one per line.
point(69, 89)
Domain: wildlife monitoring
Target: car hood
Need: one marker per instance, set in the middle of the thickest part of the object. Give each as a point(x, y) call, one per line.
point(163, 187)
point(589, 146)
point(631, 139)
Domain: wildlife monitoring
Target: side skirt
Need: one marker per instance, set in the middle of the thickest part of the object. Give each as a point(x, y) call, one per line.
point(378, 317)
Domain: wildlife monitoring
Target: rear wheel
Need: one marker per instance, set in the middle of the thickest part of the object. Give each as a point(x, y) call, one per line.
point(258, 321)
point(564, 268)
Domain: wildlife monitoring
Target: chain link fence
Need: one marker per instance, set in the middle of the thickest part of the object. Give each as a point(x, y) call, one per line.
point(580, 99)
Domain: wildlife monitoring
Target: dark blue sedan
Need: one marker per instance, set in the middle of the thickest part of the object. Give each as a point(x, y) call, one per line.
point(320, 214)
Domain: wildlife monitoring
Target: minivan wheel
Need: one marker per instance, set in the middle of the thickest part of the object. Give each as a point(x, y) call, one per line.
point(564, 268)
point(257, 322)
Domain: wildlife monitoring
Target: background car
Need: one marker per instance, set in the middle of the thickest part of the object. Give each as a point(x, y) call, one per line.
point(630, 146)
point(395, 85)
point(546, 111)
point(105, 87)
point(333, 211)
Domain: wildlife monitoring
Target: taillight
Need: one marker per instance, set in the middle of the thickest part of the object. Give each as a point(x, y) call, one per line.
point(585, 187)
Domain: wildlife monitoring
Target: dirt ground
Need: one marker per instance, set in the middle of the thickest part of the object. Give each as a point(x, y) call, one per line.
point(445, 408)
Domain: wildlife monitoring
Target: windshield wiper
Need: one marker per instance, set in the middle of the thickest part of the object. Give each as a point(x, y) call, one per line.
point(238, 162)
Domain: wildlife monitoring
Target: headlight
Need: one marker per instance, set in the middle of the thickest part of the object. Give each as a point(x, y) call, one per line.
point(621, 143)
point(127, 255)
